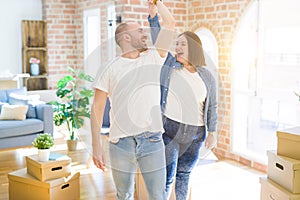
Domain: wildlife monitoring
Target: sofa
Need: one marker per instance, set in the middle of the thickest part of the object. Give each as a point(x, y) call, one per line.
point(22, 118)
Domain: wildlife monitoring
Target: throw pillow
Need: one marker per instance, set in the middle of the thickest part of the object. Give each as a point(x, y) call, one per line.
point(31, 113)
point(20, 91)
point(1, 104)
point(13, 112)
point(3, 96)
point(16, 99)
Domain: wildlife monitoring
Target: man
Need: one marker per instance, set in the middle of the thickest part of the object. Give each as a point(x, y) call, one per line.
point(131, 82)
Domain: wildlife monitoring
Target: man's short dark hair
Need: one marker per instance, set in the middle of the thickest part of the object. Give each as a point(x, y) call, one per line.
point(122, 28)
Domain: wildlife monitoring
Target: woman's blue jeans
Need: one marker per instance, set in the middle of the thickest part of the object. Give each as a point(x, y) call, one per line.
point(146, 149)
point(182, 145)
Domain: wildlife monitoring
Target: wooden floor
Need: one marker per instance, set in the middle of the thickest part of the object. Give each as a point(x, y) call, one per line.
point(213, 180)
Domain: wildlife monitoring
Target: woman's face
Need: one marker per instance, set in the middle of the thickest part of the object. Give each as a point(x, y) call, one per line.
point(181, 50)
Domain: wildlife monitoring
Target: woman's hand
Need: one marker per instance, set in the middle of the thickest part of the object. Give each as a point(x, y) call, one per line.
point(210, 141)
point(151, 8)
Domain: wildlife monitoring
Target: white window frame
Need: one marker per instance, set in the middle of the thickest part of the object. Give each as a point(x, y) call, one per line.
point(92, 60)
point(210, 45)
point(255, 104)
point(111, 17)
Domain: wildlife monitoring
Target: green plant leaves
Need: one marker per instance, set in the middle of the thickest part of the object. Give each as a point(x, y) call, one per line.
point(61, 93)
point(85, 77)
point(43, 141)
point(73, 105)
point(64, 81)
point(87, 92)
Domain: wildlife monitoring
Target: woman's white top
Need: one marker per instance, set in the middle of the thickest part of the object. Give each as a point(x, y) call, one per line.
point(186, 98)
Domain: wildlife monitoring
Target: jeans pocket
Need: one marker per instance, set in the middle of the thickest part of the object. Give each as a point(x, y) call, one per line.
point(155, 137)
point(200, 134)
point(115, 141)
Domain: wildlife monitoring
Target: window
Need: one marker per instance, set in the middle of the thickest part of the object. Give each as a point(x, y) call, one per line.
point(92, 50)
point(266, 68)
point(210, 46)
point(111, 44)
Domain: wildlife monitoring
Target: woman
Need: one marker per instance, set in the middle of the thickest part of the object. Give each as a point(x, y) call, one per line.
point(189, 106)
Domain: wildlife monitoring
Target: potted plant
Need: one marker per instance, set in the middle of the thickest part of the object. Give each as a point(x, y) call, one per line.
point(43, 142)
point(74, 103)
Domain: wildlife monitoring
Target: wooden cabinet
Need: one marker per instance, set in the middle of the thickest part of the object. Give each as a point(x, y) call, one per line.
point(34, 45)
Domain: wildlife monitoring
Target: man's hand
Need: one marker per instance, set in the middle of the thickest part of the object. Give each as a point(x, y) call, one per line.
point(97, 111)
point(99, 159)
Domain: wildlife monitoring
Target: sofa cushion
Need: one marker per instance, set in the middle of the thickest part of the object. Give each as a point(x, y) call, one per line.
point(13, 112)
point(1, 104)
point(11, 128)
point(16, 99)
point(3, 96)
point(19, 91)
point(31, 113)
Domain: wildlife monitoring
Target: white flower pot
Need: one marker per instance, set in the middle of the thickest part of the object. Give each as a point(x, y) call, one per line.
point(44, 154)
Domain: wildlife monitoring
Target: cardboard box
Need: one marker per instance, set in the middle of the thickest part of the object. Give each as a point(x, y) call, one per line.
point(24, 186)
point(288, 143)
point(284, 171)
point(51, 169)
point(272, 191)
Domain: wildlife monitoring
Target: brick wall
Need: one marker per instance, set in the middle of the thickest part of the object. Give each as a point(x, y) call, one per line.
point(221, 17)
point(62, 41)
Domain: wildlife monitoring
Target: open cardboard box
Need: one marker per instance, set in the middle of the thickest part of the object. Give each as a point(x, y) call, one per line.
point(24, 186)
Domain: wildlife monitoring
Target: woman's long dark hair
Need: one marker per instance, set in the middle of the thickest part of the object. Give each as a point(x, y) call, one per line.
point(195, 50)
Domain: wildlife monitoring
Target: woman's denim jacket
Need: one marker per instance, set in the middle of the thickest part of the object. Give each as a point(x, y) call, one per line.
point(210, 108)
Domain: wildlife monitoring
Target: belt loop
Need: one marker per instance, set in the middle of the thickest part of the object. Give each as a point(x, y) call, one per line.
point(185, 128)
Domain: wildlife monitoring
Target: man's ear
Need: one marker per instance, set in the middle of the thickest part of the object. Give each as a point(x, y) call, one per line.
point(127, 37)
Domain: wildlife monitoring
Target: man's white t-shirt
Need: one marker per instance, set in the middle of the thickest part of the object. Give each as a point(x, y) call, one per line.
point(133, 87)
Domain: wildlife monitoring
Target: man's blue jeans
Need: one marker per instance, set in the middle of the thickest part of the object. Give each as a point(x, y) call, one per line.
point(146, 149)
point(182, 144)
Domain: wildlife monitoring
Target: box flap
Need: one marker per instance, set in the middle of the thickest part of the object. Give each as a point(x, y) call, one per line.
point(23, 177)
point(33, 160)
point(63, 180)
point(291, 133)
point(286, 161)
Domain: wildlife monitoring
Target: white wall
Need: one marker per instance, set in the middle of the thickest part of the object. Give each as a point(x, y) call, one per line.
point(12, 12)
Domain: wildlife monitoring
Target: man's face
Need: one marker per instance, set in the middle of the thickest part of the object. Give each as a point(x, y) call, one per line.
point(138, 37)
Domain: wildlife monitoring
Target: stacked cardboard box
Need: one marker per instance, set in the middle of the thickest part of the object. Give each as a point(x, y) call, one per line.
point(49, 180)
point(283, 181)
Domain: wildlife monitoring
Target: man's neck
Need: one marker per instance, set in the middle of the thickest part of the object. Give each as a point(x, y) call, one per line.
point(131, 54)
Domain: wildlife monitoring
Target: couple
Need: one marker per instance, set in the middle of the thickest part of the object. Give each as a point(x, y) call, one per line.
point(141, 84)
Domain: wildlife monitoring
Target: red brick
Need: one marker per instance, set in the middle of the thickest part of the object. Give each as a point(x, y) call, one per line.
point(260, 167)
point(244, 161)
